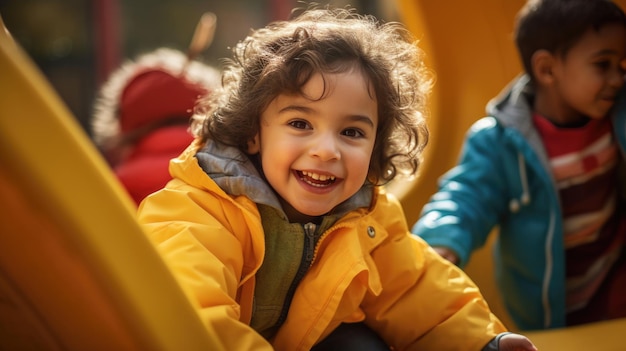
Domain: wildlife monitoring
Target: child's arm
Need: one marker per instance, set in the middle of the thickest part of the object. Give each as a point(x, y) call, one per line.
point(425, 302)
point(472, 196)
point(200, 244)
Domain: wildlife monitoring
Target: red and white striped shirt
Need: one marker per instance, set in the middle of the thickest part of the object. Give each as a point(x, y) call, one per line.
point(584, 165)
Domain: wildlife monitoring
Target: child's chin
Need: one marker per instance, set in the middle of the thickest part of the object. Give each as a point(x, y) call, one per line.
point(315, 212)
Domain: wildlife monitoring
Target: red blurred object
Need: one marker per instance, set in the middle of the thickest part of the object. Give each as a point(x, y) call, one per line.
point(154, 95)
point(142, 116)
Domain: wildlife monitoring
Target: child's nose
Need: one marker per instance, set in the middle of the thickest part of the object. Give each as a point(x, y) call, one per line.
point(325, 147)
point(618, 76)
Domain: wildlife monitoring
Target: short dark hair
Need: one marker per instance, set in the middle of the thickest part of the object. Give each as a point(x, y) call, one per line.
point(284, 55)
point(556, 25)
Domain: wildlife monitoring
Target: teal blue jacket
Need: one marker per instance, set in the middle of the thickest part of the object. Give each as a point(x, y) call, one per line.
point(503, 181)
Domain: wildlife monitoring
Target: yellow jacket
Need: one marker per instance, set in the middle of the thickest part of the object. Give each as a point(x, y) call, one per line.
point(367, 267)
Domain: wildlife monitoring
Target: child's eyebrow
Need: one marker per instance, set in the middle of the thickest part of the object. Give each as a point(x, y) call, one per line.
point(605, 52)
point(297, 108)
point(360, 118)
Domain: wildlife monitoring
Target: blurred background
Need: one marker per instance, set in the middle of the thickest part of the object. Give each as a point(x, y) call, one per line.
point(78, 43)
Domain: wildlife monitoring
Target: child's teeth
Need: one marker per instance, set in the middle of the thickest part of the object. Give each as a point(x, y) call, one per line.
point(319, 177)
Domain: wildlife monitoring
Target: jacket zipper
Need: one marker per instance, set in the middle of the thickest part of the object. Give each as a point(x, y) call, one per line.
point(307, 258)
point(545, 289)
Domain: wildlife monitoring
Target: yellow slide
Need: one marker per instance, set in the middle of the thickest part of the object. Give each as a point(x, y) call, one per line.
point(76, 272)
point(469, 45)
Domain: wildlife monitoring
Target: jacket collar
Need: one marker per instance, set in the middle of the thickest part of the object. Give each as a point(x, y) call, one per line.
point(236, 175)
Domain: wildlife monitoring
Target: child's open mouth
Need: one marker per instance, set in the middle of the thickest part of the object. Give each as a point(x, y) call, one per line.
point(315, 179)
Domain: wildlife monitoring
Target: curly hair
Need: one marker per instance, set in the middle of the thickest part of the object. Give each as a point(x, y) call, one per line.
point(283, 56)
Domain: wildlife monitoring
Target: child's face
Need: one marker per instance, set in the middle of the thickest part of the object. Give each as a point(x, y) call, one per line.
point(316, 152)
point(589, 76)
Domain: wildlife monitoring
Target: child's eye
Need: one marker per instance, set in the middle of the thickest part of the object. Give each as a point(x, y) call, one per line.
point(299, 124)
point(353, 133)
point(603, 65)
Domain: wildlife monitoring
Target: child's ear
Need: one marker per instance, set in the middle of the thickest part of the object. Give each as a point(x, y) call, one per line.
point(542, 63)
point(254, 145)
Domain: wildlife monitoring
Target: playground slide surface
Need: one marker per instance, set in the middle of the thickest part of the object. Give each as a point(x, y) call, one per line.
point(76, 271)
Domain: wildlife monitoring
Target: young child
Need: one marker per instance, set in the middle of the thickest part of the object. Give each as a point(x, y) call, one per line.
point(276, 222)
point(543, 167)
point(142, 113)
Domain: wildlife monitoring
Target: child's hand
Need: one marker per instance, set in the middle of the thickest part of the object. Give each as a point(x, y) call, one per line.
point(447, 254)
point(515, 342)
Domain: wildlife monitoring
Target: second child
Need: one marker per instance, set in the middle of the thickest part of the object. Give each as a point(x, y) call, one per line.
point(544, 169)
